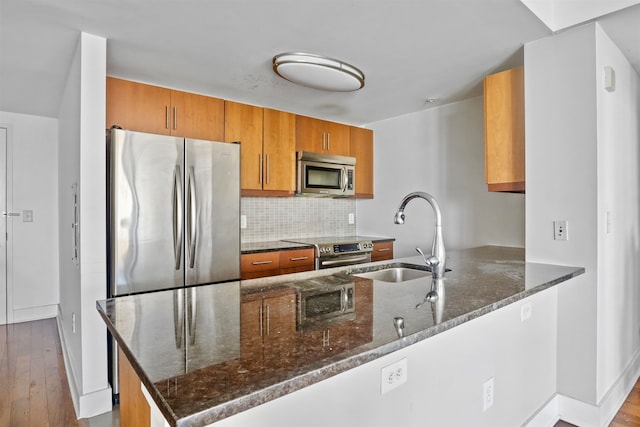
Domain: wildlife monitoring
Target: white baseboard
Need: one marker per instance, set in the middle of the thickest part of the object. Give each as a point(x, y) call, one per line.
point(35, 313)
point(584, 414)
point(547, 416)
point(89, 404)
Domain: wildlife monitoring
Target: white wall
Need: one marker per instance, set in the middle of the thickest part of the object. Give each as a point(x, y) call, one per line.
point(439, 151)
point(618, 213)
point(33, 292)
point(446, 374)
point(82, 161)
point(582, 162)
point(560, 118)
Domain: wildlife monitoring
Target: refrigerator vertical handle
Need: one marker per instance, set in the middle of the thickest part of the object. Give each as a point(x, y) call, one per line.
point(178, 317)
point(192, 205)
point(191, 314)
point(177, 216)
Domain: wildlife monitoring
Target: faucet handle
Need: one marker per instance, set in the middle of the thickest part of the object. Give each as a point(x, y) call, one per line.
point(431, 261)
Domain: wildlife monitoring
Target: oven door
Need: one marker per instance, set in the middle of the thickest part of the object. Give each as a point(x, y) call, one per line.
point(342, 260)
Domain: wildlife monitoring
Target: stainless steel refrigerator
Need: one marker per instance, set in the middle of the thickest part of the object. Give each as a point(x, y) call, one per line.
point(174, 212)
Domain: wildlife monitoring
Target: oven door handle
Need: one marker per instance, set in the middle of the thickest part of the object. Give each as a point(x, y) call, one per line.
point(343, 260)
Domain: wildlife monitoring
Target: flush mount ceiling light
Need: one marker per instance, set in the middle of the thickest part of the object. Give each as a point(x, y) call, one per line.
point(318, 72)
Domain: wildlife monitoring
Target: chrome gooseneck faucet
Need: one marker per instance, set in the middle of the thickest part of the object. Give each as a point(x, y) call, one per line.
point(438, 254)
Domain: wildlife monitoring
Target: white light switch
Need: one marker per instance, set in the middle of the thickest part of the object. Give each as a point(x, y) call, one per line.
point(243, 221)
point(352, 218)
point(27, 216)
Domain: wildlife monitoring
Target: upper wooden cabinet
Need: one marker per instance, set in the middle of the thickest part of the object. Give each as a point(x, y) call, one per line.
point(362, 149)
point(146, 108)
point(267, 147)
point(504, 131)
point(321, 136)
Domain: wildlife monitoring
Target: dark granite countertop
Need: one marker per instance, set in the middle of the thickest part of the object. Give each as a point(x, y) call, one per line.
point(218, 363)
point(271, 246)
point(282, 245)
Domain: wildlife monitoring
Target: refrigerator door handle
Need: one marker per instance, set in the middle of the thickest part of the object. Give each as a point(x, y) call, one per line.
point(178, 317)
point(192, 204)
point(192, 315)
point(177, 216)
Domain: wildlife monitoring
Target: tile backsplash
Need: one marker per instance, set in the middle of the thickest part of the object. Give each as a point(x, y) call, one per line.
point(277, 218)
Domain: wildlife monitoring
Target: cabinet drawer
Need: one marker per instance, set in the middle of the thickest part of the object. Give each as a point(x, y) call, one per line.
point(264, 261)
point(297, 258)
point(382, 251)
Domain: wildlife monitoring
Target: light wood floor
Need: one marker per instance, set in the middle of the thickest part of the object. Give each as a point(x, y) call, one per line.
point(33, 383)
point(34, 389)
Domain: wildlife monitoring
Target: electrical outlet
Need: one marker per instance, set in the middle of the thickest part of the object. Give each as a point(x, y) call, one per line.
point(487, 396)
point(560, 230)
point(352, 218)
point(392, 376)
point(243, 221)
point(525, 311)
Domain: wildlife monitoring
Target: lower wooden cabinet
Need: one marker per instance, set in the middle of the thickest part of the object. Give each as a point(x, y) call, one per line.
point(382, 251)
point(264, 264)
point(134, 408)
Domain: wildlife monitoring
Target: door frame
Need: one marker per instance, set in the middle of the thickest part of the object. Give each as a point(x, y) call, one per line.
point(9, 223)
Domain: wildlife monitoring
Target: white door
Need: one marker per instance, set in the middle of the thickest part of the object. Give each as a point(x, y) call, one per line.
point(3, 226)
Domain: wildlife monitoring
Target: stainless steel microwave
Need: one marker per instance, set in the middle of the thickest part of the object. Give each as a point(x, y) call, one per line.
point(325, 174)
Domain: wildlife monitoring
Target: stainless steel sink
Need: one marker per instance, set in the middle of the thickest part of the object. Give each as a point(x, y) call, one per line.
point(395, 274)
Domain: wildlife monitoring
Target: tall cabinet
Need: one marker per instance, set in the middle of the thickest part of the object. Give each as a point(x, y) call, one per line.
point(267, 147)
point(361, 144)
point(504, 131)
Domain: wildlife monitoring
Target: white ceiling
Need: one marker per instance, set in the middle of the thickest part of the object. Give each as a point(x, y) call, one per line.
point(409, 50)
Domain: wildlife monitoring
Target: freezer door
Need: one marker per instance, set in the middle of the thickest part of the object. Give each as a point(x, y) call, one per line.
point(146, 212)
point(212, 200)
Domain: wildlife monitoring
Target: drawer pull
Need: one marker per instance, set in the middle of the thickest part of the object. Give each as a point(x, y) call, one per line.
point(261, 262)
point(300, 258)
point(384, 249)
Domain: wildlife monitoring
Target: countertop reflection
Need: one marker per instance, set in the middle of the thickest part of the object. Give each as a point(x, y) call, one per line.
point(208, 352)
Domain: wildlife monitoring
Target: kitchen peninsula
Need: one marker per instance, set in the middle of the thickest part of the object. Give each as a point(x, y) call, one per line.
point(210, 353)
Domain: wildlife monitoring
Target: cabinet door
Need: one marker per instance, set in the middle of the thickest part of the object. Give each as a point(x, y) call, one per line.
point(244, 123)
point(362, 149)
point(310, 134)
point(504, 130)
point(382, 251)
point(138, 107)
point(261, 264)
point(197, 116)
point(279, 147)
point(294, 261)
point(338, 137)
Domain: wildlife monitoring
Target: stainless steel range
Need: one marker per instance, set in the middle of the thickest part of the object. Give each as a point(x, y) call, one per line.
point(338, 251)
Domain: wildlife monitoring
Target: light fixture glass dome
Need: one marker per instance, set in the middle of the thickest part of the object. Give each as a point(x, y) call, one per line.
point(318, 72)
